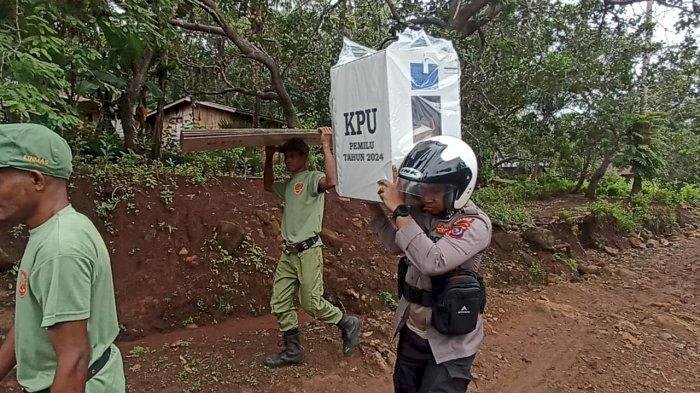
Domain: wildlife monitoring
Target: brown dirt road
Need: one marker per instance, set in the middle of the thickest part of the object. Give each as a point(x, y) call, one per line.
point(633, 328)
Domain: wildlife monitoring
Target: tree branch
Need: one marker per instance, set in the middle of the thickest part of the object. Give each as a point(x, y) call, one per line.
point(509, 159)
point(249, 50)
point(476, 23)
point(327, 10)
point(394, 11)
point(384, 41)
point(198, 27)
point(661, 2)
point(263, 95)
point(427, 20)
point(459, 19)
point(465, 13)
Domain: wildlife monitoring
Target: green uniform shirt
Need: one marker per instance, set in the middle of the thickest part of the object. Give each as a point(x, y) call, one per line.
point(303, 205)
point(65, 275)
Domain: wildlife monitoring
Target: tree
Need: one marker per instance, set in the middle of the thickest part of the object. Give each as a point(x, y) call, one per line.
point(249, 50)
point(34, 68)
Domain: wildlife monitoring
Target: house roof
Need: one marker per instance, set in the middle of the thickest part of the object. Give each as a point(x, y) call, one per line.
point(221, 107)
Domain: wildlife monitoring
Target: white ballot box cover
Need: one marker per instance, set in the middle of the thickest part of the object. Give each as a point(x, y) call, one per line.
point(382, 102)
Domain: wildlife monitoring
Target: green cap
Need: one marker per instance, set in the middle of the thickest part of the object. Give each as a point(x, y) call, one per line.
point(28, 146)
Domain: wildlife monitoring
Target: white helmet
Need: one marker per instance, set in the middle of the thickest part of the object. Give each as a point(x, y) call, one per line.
point(442, 160)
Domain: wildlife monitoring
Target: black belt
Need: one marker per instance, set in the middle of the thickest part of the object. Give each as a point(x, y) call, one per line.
point(94, 368)
point(297, 248)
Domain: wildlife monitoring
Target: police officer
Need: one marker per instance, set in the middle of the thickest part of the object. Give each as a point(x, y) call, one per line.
point(443, 235)
point(65, 315)
point(300, 267)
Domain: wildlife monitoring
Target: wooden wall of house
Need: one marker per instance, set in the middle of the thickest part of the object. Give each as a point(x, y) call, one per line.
point(176, 120)
point(210, 118)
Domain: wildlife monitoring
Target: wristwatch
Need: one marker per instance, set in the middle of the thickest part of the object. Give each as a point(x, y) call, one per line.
point(401, 211)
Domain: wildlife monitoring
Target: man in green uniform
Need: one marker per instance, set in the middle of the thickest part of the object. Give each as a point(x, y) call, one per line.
point(300, 268)
point(65, 316)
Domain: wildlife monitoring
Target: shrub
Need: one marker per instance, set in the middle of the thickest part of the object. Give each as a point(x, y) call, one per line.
point(615, 185)
point(625, 218)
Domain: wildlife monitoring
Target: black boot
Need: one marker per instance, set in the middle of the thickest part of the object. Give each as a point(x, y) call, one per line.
point(350, 327)
point(292, 353)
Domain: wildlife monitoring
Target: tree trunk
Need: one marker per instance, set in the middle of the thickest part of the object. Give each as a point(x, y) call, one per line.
point(648, 19)
point(636, 184)
point(582, 176)
point(130, 98)
point(598, 174)
point(126, 115)
point(157, 151)
point(536, 169)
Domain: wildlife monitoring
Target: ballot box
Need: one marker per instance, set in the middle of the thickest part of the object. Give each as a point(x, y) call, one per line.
point(383, 102)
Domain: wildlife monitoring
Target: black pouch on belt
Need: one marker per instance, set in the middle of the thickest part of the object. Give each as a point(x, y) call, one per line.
point(458, 298)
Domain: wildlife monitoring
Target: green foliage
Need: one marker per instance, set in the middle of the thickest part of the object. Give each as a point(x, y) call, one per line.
point(388, 299)
point(689, 194)
point(614, 185)
point(625, 219)
point(643, 145)
point(507, 213)
point(655, 208)
point(567, 260)
point(681, 155)
point(36, 56)
point(549, 83)
point(524, 190)
point(536, 272)
point(203, 166)
point(506, 203)
point(12, 272)
point(138, 351)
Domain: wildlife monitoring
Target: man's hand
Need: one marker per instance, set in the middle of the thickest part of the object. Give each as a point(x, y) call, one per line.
point(326, 136)
point(390, 194)
point(389, 191)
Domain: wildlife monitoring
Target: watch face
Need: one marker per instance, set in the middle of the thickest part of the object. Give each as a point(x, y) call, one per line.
point(402, 211)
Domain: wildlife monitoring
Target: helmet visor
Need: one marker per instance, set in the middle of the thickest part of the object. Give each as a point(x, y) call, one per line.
point(420, 194)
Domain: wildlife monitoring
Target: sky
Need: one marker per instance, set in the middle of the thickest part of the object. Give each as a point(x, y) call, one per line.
point(665, 18)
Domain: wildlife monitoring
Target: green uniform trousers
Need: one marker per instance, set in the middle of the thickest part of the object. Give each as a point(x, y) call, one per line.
point(301, 272)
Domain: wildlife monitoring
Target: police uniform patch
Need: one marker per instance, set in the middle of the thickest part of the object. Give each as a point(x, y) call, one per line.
point(442, 229)
point(298, 188)
point(460, 227)
point(23, 284)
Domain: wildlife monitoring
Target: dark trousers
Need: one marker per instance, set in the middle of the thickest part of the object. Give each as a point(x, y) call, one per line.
point(417, 372)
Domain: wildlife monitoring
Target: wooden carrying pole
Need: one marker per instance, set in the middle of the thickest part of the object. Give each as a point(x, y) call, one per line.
point(208, 140)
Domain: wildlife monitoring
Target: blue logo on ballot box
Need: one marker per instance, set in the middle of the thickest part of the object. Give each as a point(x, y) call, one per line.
point(424, 76)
